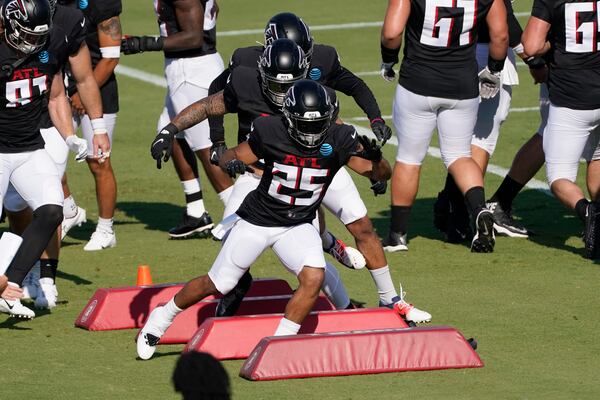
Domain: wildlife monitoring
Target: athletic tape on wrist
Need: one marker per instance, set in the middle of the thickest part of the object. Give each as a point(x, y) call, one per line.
point(519, 49)
point(110, 51)
point(99, 126)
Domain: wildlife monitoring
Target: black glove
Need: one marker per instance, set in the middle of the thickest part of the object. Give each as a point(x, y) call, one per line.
point(216, 151)
point(387, 71)
point(235, 166)
point(139, 44)
point(378, 187)
point(163, 144)
point(370, 150)
point(382, 132)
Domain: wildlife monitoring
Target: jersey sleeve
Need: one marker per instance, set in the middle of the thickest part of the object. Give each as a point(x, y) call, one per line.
point(348, 143)
point(230, 96)
point(105, 9)
point(254, 137)
point(77, 34)
point(542, 9)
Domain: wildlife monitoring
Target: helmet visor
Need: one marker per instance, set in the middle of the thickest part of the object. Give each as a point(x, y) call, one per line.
point(28, 41)
point(310, 130)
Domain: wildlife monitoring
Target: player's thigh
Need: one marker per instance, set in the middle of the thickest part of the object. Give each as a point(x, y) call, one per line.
point(37, 180)
point(88, 133)
point(298, 247)
point(197, 136)
point(343, 200)
point(565, 138)
point(6, 165)
point(414, 121)
point(57, 148)
point(243, 185)
point(242, 246)
point(490, 116)
point(456, 122)
point(591, 152)
point(13, 201)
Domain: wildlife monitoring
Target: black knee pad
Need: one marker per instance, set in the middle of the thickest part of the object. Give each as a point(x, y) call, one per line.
point(49, 216)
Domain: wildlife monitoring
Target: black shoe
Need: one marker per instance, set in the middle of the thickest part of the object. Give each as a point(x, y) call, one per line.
point(395, 242)
point(192, 226)
point(504, 224)
point(591, 237)
point(484, 240)
point(229, 304)
point(459, 226)
point(441, 211)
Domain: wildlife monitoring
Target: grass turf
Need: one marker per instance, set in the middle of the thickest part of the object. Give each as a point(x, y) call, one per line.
point(531, 304)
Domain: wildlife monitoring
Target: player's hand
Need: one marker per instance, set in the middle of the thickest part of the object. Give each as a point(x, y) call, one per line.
point(78, 146)
point(370, 150)
point(162, 145)
point(381, 131)
point(235, 167)
point(101, 143)
point(539, 73)
point(216, 151)
point(387, 71)
point(489, 83)
point(139, 44)
point(9, 291)
point(76, 105)
point(378, 187)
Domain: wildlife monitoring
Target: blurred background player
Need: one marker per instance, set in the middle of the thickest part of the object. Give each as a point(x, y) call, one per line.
point(438, 87)
point(104, 41)
point(188, 38)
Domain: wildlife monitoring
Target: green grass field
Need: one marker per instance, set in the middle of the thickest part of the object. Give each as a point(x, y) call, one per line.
point(532, 304)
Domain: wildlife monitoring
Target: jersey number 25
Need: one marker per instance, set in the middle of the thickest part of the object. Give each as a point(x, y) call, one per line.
point(296, 185)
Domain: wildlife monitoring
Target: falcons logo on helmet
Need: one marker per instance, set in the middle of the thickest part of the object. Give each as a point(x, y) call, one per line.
point(16, 10)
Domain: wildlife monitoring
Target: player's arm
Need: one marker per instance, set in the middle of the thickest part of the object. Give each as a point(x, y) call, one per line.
point(236, 160)
point(367, 160)
point(534, 37)
point(489, 77)
point(394, 23)
point(217, 127)
point(61, 117)
point(190, 18)
point(109, 38)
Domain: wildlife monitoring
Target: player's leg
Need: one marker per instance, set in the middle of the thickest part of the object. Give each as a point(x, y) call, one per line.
point(592, 155)
point(73, 214)
point(414, 121)
point(106, 188)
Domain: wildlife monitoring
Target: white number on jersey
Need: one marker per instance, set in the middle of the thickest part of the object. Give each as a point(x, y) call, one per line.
point(19, 93)
point(297, 178)
point(437, 31)
point(580, 37)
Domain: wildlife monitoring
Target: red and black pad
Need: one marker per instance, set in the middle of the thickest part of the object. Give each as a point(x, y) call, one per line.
point(128, 307)
point(236, 337)
point(358, 353)
point(186, 324)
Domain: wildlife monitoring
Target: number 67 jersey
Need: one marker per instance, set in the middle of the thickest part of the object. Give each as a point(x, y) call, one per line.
point(295, 179)
point(439, 55)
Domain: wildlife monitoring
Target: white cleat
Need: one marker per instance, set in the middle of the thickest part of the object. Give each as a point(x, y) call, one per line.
point(31, 283)
point(47, 294)
point(101, 240)
point(16, 309)
point(153, 329)
point(79, 219)
point(348, 256)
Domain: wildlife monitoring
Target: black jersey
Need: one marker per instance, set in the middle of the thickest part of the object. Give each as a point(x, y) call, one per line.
point(574, 78)
point(295, 181)
point(25, 84)
point(439, 56)
point(96, 11)
point(167, 22)
point(514, 28)
point(72, 22)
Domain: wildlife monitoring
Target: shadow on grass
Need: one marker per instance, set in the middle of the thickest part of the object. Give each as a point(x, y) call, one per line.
point(13, 323)
point(76, 279)
point(159, 355)
point(156, 216)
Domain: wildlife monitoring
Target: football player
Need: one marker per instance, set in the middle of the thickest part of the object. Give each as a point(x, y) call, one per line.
point(188, 39)
point(40, 282)
point(301, 150)
point(438, 87)
point(104, 41)
point(32, 56)
point(574, 112)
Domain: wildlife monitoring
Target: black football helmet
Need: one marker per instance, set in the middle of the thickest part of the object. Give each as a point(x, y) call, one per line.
point(27, 24)
point(281, 65)
point(309, 112)
point(289, 25)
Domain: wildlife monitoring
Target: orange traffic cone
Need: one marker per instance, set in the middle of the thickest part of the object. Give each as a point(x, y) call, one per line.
point(143, 275)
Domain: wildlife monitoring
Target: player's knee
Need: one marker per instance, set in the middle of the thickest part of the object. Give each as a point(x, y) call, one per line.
point(361, 229)
point(49, 216)
point(312, 278)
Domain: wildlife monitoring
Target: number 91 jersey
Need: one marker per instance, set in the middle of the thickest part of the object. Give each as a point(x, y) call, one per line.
point(295, 180)
point(439, 56)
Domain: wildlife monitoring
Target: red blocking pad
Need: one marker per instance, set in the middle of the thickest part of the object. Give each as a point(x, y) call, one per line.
point(128, 307)
point(186, 324)
point(358, 353)
point(236, 337)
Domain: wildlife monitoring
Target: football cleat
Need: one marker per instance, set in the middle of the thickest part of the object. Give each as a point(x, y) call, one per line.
point(47, 294)
point(504, 223)
point(395, 242)
point(31, 283)
point(484, 239)
point(441, 211)
point(101, 240)
point(348, 256)
point(458, 228)
point(229, 304)
point(192, 226)
point(79, 219)
point(16, 309)
point(406, 310)
point(150, 335)
point(591, 236)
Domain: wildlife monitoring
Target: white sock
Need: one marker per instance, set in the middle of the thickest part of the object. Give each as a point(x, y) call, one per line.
point(287, 327)
point(69, 207)
point(48, 281)
point(334, 289)
point(327, 238)
point(195, 206)
point(385, 286)
point(225, 194)
point(171, 310)
point(105, 225)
